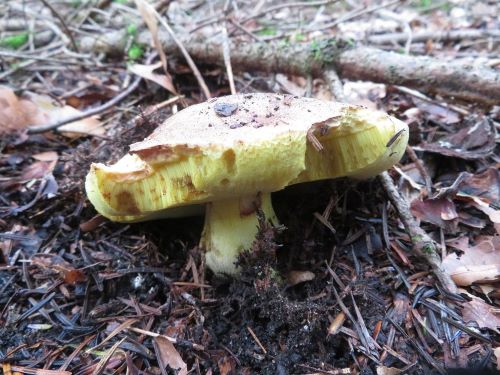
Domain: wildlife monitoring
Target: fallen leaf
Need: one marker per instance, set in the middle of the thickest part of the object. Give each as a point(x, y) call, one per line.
point(18, 113)
point(16, 370)
point(38, 169)
point(169, 356)
point(147, 72)
point(478, 264)
point(483, 190)
point(86, 126)
point(438, 113)
point(19, 237)
point(472, 142)
point(382, 370)
point(289, 86)
point(494, 215)
point(438, 211)
point(298, 277)
point(227, 366)
point(55, 263)
point(364, 93)
point(46, 156)
point(484, 314)
point(336, 324)
point(485, 185)
point(496, 351)
point(148, 14)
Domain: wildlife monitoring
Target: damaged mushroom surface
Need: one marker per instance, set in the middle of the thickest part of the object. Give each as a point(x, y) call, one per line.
point(230, 153)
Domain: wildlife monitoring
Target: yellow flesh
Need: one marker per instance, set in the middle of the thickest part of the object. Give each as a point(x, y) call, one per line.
point(228, 231)
point(132, 190)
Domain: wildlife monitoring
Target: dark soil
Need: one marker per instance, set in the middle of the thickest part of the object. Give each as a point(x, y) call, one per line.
point(81, 295)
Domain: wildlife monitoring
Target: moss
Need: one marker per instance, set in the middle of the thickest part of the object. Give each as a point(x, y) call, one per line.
point(417, 238)
point(326, 51)
point(267, 31)
point(428, 249)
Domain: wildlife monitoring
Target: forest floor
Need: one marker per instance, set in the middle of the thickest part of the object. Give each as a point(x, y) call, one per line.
point(80, 294)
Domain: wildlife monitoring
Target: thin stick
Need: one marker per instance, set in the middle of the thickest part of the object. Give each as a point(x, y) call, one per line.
point(420, 166)
point(63, 24)
point(186, 55)
point(256, 339)
point(356, 13)
point(171, 339)
point(333, 81)
point(90, 112)
point(422, 243)
point(227, 59)
point(299, 4)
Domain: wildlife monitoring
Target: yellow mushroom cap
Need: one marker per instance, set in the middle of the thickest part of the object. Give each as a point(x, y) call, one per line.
point(239, 145)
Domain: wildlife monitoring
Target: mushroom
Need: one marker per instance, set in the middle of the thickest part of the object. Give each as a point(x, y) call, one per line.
point(230, 153)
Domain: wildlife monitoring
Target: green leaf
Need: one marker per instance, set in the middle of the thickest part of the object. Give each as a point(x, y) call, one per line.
point(267, 31)
point(135, 52)
point(132, 29)
point(14, 41)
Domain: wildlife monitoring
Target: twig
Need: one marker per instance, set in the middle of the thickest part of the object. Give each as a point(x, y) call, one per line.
point(355, 13)
point(423, 172)
point(91, 112)
point(244, 30)
point(173, 340)
point(477, 83)
point(335, 84)
point(299, 4)
point(451, 35)
point(186, 55)
point(63, 24)
point(252, 333)
point(422, 243)
point(406, 26)
point(419, 349)
point(227, 53)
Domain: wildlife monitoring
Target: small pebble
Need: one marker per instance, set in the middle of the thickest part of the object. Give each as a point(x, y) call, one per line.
point(225, 109)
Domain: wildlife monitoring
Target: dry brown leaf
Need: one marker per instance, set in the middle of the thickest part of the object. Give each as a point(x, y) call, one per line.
point(364, 93)
point(440, 211)
point(481, 205)
point(297, 277)
point(478, 264)
point(289, 85)
point(17, 113)
point(147, 72)
point(46, 156)
point(382, 370)
point(482, 313)
point(496, 351)
point(471, 142)
point(336, 324)
point(169, 356)
point(54, 113)
point(38, 169)
point(55, 263)
point(485, 185)
point(227, 366)
point(87, 126)
point(148, 15)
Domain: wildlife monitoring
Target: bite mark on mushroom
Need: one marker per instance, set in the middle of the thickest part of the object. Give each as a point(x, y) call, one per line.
point(195, 159)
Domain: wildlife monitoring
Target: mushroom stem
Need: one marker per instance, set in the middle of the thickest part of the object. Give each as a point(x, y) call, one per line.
point(231, 226)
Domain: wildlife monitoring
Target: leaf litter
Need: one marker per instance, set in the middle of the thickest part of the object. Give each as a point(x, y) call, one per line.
point(82, 295)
